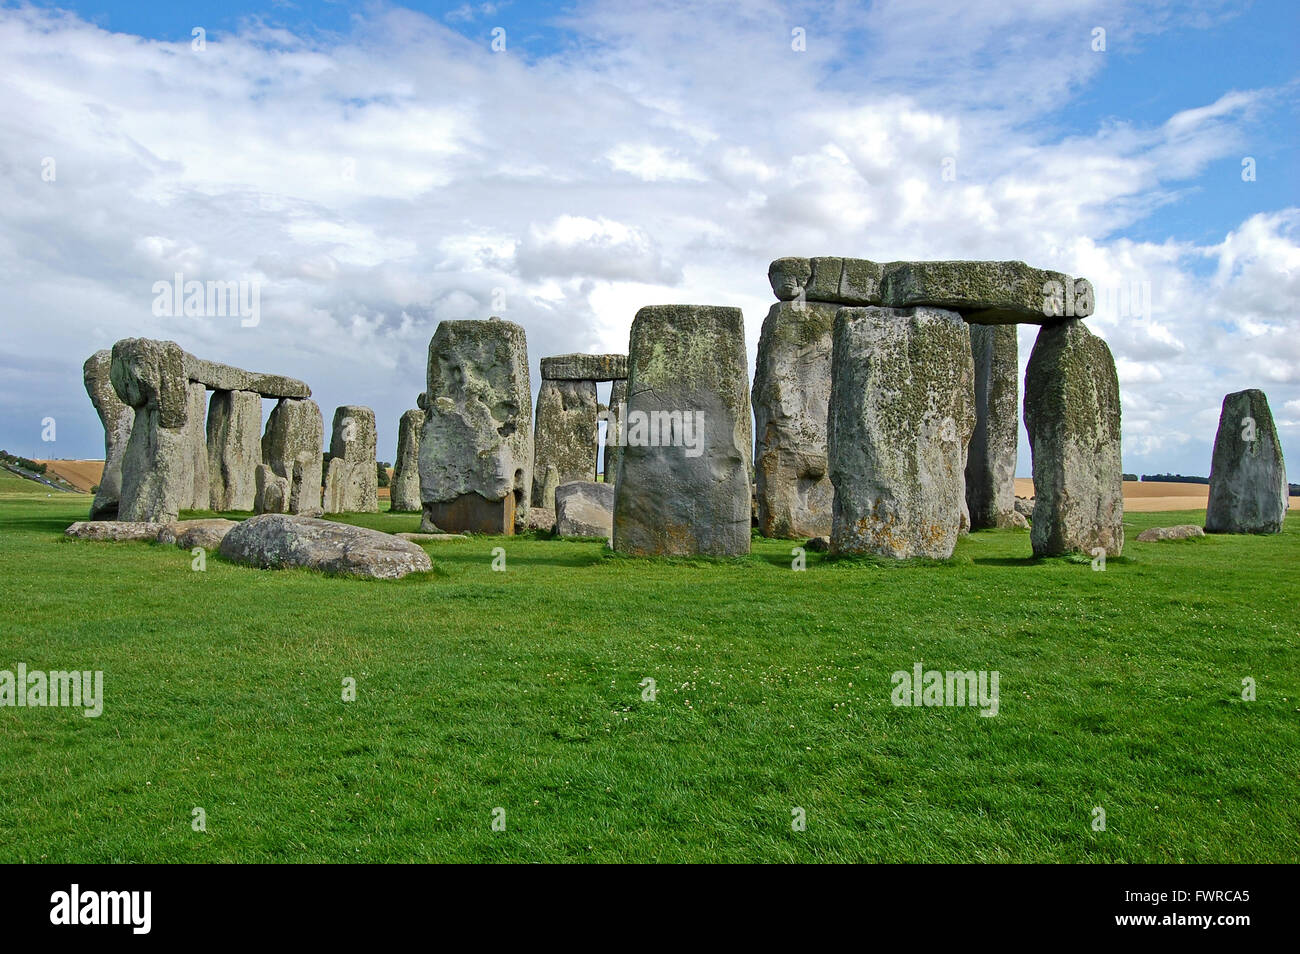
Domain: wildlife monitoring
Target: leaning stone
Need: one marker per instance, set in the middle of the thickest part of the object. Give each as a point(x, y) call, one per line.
point(158, 464)
point(1248, 488)
point(584, 509)
point(234, 441)
point(1182, 532)
point(404, 488)
point(993, 293)
point(115, 530)
point(901, 412)
point(565, 438)
point(352, 480)
point(116, 416)
point(271, 491)
point(792, 386)
point(294, 427)
point(617, 412)
point(277, 541)
point(188, 534)
point(1072, 414)
point(683, 485)
point(991, 454)
point(584, 367)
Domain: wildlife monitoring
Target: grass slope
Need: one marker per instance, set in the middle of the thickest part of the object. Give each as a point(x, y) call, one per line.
point(521, 690)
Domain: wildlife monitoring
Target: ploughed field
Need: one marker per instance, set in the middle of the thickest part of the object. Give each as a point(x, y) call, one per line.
point(523, 690)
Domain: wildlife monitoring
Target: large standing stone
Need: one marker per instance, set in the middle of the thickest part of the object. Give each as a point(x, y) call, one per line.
point(352, 481)
point(792, 387)
point(1248, 488)
point(683, 479)
point(991, 455)
point(158, 465)
point(404, 488)
point(566, 436)
point(196, 445)
point(584, 509)
point(277, 541)
point(476, 452)
point(1072, 414)
point(234, 448)
point(294, 427)
point(617, 412)
point(116, 417)
point(901, 412)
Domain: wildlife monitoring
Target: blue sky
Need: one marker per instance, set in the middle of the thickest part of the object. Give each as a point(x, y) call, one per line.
point(625, 154)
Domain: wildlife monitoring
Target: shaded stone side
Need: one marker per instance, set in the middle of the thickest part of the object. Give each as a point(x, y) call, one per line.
point(1248, 488)
point(158, 463)
point(991, 455)
point(295, 426)
point(404, 489)
point(566, 437)
point(234, 444)
point(117, 417)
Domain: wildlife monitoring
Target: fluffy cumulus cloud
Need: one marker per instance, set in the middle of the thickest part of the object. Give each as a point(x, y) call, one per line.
point(377, 181)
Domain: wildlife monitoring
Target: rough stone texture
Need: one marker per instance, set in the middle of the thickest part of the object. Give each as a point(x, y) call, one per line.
point(352, 480)
point(901, 412)
point(584, 367)
point(223, 377)
point(1025, 507)
point(404, 488)
point(276, 541)
point(158, 463)
point(116, 417)
point(584, 509)
point(1248, 488)
point(115, 530)
point(617, 409)
point(792, 387)
point(1072, 414)
point(295, 427)
point(432, 537)
point(1017, 521)
point(270, 491)
point(693, 497)
point(820, 544)
point(304, 492)
point(187, 534)
point(991, 454)
point(539, 518)
point(196, 446)
point(1182, 532)
point(566, 437)
point(478, 433)
point(234, 442)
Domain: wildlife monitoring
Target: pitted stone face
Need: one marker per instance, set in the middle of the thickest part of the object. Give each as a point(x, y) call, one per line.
point(789, 276)
point(151, 374)
point(1248, 487)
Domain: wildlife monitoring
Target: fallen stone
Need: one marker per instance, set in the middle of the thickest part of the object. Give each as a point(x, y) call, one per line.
point(432, 537)
point(404, 488)
point(1182, 532)
point(1248, 487)
point(115, 530)
point(234, 445)
point(565, 439)
point(584, 509)
point(117, 417)
point(188, 534)
point(277, 541)
point(584, 367)
point(991, 454)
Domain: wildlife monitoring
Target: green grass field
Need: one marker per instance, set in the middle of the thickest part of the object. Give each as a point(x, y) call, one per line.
point(520, 690)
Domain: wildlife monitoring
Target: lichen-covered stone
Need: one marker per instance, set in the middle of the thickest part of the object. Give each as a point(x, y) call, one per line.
point(278, 541)
point(683, 482)
point(404, 488)
point(901, 412)
point(234, 443)
point(115, 530)
point(352, 479)
point(584, 367)
point(223, 377)
point(991, 454)
point(1248, 488)
point(584, 509)
point(983, 292)
point(295, 426)
point(1072, 414)
point(478, 433)
point(789, 277)
point(566, 436)
point(158, 464)
point(206, 533)
point(791, 396)
point(117, 417)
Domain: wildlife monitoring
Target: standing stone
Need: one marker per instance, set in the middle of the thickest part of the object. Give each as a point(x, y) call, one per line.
point(1072, 414)
point(476, 451)
point(617, 412)
point(116, 418)
point(196, 446)
point(683, 478)
point(270, 491)
point(234, 448)
point(158, 464)
point(566, 436)
point(352, 481)
point(304, 486)
point(792, 387)
point(294, 427)
point(1248, 488)
point(584, 509)
point(404, 488)
point(991, 456)
point(901, 412)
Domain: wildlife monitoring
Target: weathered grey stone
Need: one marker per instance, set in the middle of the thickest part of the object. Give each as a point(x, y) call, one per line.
point(478, 434)
point(277, 541)
point(117, 417)
point(1182, 532)
point(295, 427)
point(820, 544)
point(234, 442)
point(617, 412)
point(789, 276)
point(1025, 507)
point(223, 377)
point(792, 387)
point(540, 518)
point(352, 480)
point(566, 437)
point(196, 445)
point(683, 482)
point(992, 293)
point(304, 493)
point(1017, 521)
point(991, 454)
point(158, 464)
point(584, 367)
point(584, 509)
point(433, 537)
point(115, 530)
point(404, 488)
point(271, 491)
point(901, 412)
point(187, 534)
point(1072, 414)
point(1248, 488)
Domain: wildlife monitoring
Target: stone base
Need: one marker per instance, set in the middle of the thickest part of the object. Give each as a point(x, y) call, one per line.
point(472, 513)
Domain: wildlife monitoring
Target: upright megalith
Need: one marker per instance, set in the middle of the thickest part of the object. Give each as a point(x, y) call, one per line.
point(158, 464)
point(196, 446)
point(234, 443)
point(991, 455)
point(476, 451)
point(404, 488)
point(901, 414)
point(352, 478)
point(683, 479)
point(613, 416)
point(270, 491)
point(566, 436)
point(791, 396)
point(1248, 488)
point(1072, 414)
point(116, 416)
point(295, 426)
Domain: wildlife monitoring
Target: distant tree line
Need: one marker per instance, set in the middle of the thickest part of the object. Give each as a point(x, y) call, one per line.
point(1176, 479)
point(22, 462)
point(1129, 476)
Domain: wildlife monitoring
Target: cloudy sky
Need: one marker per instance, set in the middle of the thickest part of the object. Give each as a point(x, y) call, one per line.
point(379, 168)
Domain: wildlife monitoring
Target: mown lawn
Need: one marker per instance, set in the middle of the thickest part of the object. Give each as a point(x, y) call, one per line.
point(521, 690)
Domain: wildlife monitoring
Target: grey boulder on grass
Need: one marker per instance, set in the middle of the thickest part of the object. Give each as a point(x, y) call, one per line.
point(277, 541)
